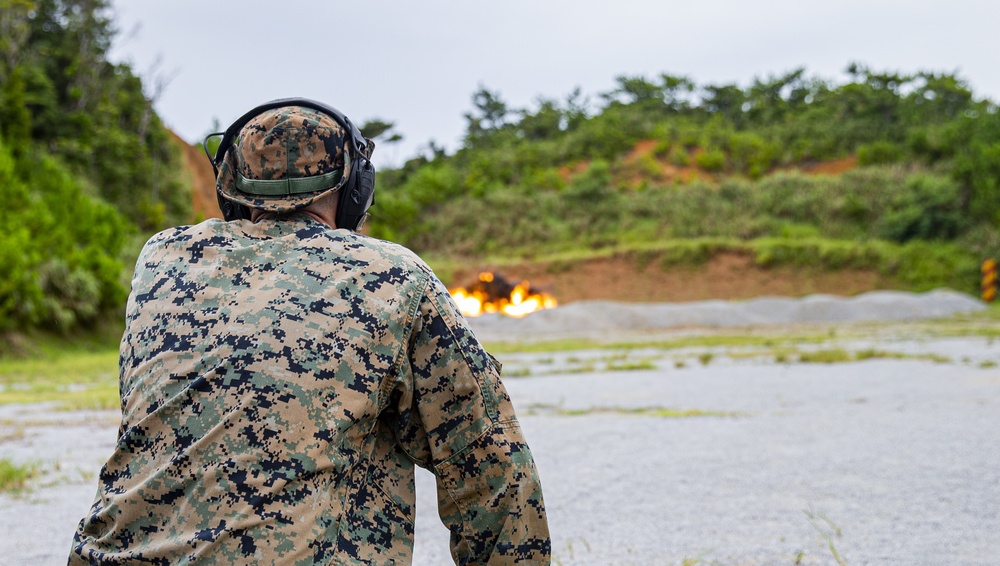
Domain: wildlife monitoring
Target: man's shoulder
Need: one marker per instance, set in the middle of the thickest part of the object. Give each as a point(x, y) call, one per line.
point(303, 237)
point(210, 228)
point(387, 251)
point(294, 239)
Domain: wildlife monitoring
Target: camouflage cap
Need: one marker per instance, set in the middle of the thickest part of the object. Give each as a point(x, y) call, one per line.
point(284, 159)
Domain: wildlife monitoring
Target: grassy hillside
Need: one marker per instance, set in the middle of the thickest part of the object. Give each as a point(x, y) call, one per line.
point(896, 173)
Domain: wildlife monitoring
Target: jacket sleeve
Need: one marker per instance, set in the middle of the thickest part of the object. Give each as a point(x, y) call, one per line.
point(455, 418)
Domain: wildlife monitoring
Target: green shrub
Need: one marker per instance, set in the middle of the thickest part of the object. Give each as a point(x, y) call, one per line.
point(928, 209)
point(751, 154)
point(711, 160)
point(650, 167)
point(60, 249)
point(662, 148)
point(691, 252)
point(877, 153)
point(679, 156)
point(923, 266)
point(593, 183)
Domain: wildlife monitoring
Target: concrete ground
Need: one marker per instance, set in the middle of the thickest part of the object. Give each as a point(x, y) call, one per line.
point(885, 461)
point(891, 460)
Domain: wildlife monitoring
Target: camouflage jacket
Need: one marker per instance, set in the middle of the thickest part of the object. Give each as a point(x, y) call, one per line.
point(278, 382)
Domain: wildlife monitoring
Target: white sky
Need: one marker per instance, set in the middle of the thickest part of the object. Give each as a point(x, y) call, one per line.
point(418, 63)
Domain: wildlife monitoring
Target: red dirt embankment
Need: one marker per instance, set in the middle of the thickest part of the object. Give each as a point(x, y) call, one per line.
point(203, 202)
point(725, 276)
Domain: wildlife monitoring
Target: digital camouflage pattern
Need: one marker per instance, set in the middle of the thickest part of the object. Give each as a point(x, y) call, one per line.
point(279, 380)
point(291, 142)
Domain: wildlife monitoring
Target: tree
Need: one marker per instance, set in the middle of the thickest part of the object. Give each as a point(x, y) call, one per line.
point(545, 122)
point(93, 114)
point(15, 119)
point(725, 100)
point(677, 92)
point(635, 90)
point(490, 114)
point(14, 33)
point(940, 96)
point(380, 130)
point(770, 100)
point(577, 107)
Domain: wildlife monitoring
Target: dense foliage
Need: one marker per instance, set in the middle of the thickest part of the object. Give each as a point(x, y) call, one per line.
point(84, 163)
point(59, 248)
point(721, 161)
point(564, 168)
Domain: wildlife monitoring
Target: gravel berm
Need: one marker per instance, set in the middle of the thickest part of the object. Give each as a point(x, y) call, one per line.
point(598, 318)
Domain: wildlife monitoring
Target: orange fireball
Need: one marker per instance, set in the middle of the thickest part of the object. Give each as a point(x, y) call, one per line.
point(492, 293)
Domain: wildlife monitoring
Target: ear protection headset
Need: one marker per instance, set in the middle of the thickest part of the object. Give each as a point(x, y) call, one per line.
point(358, 192)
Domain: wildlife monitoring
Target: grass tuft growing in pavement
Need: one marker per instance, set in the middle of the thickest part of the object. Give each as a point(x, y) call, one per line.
point(659, 412)
point(836, 356)
point(825, 357)
point(638, 365)
point(13, 477)
point(695, 341)
point(828, 530)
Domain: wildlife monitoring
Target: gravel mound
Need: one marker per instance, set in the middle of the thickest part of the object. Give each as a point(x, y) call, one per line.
point(585, 318)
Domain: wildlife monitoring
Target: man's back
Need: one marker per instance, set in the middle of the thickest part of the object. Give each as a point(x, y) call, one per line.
point(278, 381)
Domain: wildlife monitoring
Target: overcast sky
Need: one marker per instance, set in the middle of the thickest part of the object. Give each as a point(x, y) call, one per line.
point(418, 63)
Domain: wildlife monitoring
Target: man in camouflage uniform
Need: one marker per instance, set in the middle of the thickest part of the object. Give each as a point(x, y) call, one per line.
point(279, 380)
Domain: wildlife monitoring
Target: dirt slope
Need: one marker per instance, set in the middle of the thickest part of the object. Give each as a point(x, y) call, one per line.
point(203, 202)
point(726, 276)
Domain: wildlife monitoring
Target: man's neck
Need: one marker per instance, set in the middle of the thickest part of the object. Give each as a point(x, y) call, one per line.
point(256, 215)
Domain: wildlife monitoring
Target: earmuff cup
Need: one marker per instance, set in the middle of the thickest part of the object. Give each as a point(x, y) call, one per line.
point(357, 195)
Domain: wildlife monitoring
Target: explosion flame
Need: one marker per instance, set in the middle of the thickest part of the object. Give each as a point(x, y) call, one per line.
point(492, 293)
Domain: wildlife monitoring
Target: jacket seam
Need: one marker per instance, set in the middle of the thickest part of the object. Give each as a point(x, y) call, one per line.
point(489, 401)
point(397, 366)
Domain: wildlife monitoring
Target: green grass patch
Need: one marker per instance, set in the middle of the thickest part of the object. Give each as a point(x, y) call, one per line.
point(637, 365)
point(657, 412)
point(784, 342)
point(516, 372)
point(872, 353)
point(80, 379)
point(985, 323)
point(14, 477)
point(693, 341)
point(832, 356)
point(836, 356)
